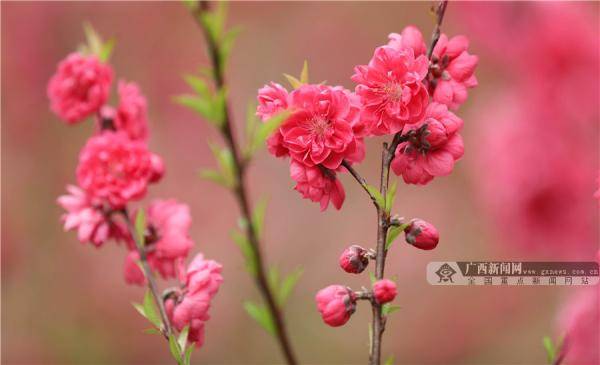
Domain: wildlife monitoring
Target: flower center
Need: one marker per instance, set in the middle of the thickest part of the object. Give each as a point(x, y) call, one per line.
point(319, 126)
point(393, 91)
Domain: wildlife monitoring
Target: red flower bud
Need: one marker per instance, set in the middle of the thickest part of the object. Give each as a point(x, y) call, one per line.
point(354, 259)
point(422, 234)
point(336, 303)
point(384, 291)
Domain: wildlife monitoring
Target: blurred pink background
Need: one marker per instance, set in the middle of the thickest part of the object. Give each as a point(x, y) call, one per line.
point(524, 189)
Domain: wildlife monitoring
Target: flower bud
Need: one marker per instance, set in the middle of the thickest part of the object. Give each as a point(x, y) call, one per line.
point(336, 303)
point(384, 291)
point(422, 234)
point(158, 168)
point(354, 259)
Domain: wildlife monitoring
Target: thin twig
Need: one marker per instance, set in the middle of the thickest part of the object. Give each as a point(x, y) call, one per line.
point(149, 275)
point(241, 196)
point(361, 181)
point(440, 10)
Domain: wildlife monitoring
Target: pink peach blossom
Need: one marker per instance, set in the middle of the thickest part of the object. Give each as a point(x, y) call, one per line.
point(90, 218)
point(578, 323)
point(433, 149)
point(452, 71)
point(317, 185)
point(116, 169)
point(384, 291)
point(79, 87)
point(410, 37)
point(320, 130)
point(391, 89)
point(336, 303)
point(190, 307)
point(272, 99)
point(131, 114)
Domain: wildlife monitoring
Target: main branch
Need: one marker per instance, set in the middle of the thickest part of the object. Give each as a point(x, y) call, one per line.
point(241, 195)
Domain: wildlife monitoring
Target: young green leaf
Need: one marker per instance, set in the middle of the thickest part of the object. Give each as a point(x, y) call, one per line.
point(390, 196)
point(140, 226)
point(388, 309)
point(151, 311)
point(226, 164)
point(188, 355)
point(390, 360)
point(372, 277)
point(138, 307)
point(304, 73)
point(227, 45)
point(376, 194)
point(247, 251)
point(550, 349)
point(182, 339)
point(94, 42)
point(152, 331)
point(198, 85)
point(273, 278)
point(261, 315)
point(258, 216)
point(288, 284)
point(294, 82)
point(265, 129)
point(106, 50)
point(214, 176)
point(175, 350)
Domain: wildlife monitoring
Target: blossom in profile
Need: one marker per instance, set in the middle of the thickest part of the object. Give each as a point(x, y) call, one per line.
point(391, 89)
point(433, 149)
point(115, 169)
point(79, 87)
point(318, 184)
point(578, 323)
point(452, 71)
point(131, 114)
point(89, 218)
point(190, 306)
point(321, 127)
point(336, 303)
point(384, 291)
point(410, 37)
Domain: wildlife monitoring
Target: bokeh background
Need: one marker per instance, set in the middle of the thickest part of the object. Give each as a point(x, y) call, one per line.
point(524, 189)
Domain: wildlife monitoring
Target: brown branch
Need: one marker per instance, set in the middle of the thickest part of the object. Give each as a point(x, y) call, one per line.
point(167, 331)
point(241, 195)
point(440, 10)
point(361, 181)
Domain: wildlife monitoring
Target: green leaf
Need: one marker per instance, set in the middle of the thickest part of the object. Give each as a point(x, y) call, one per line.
point(214, 176)
point(294, 82)
point(226, 45)
point(152, 331)
point(390, 360)
point(106, 50)
point(150, 310)
point(390, 196)
point(247, 251)
point(140, 226)
point(206, 108)
point(188, 355)
point(198, 85)
point(182, 339)
point(175, 351)
point(372, 277)
point(304, 73)
point(550, 349)
point(140, 309)
point(388, 309)
point(94, 42)
point(226, 164)
point(258, 217)
point(265, 129)
point(261, 315)
point(376, 194)
point(288, 284)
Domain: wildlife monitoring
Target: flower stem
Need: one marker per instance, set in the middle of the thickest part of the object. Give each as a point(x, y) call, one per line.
point(167, 331)
point(241, 195)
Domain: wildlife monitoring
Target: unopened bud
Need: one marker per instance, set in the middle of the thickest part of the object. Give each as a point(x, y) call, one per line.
point(422, 234)
point(354, 259)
